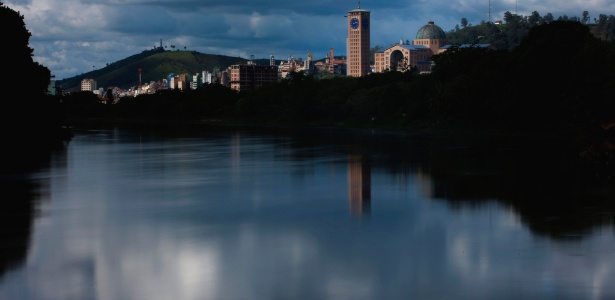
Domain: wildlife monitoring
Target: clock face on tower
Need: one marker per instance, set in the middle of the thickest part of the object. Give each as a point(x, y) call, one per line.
point(365, 23)
point(354, 23)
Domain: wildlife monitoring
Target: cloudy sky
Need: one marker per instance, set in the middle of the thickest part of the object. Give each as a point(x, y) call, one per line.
point(71, 37)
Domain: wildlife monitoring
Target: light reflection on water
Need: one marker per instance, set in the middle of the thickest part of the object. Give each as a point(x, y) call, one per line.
point(239, 215)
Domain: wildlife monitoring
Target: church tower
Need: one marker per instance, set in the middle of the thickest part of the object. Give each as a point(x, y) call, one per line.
point(358, 42)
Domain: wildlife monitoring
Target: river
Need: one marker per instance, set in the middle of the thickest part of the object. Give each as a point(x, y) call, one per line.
point(221, 213)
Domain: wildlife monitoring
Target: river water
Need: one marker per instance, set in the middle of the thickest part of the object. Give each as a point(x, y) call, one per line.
point(135, 214)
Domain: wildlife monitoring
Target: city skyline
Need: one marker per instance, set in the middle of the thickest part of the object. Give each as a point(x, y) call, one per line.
point(71, 38)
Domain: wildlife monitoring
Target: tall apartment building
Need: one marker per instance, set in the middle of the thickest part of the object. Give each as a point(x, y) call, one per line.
point(251, 76)
point(358, 42)
point(182, 81)
point(207, 77)
point(88, 85)
point(196, 82)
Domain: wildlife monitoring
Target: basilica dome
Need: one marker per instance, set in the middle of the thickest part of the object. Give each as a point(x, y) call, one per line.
point(430, 31)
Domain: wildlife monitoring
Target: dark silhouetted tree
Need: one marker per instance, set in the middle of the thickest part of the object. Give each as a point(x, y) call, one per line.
point(534, 19)
point(585, 17)
point(30, 116)
point(109, 96)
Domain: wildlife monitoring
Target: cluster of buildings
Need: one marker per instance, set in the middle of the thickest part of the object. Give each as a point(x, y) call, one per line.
point(240, 77)
point(430, 40)
point(173, 81)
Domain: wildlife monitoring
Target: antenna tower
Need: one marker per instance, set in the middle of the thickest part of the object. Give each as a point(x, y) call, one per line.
point(489, 11)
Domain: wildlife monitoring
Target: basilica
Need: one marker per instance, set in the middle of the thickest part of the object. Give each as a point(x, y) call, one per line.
point(430, 40)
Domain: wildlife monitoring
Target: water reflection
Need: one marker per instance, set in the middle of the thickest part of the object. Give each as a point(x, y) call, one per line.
point(16, 221)
point(244, 215)
point(359, 185)
point(22, 189)
point(546, 186)
point(540, 179)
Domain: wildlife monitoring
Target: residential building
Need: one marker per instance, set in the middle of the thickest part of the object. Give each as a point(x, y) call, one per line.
point(287, 67)
point(207, 77)
point(182, 81)
point(170, 82)
point(196, 82)
point(88, 85)
point(251, 76)
point(225, 80)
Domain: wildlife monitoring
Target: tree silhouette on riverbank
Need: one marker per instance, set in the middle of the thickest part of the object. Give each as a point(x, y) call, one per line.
point(30, 118)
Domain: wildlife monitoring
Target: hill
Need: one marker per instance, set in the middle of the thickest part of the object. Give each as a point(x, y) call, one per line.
point(155, 65)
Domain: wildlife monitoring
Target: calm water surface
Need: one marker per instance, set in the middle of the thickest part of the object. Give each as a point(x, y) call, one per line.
point(235, 214)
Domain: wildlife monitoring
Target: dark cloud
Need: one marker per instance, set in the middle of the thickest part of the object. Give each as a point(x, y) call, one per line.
point(148, 20)
point(71, 36)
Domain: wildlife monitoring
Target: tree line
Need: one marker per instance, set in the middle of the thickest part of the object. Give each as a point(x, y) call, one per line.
point(515, 27)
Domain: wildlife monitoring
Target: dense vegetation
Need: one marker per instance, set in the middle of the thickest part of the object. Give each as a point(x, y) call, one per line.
point(516, 27)
point(31, 120)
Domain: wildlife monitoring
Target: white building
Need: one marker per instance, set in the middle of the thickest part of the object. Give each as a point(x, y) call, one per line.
point(88, 85)
point(208, 77)
point(196, 82)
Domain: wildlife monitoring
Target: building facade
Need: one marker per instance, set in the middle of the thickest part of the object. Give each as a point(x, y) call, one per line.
point(196, 81)
point(429, 41)
point(358, 43)
point(251, 76)
point(403, 57)
point(88, 85)
point(287, 67)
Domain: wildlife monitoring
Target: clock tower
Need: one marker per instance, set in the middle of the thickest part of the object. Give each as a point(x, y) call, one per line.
point(358, 42)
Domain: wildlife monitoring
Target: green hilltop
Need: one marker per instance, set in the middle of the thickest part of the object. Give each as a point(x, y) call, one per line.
point(155, 65)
